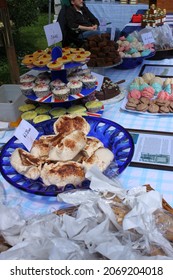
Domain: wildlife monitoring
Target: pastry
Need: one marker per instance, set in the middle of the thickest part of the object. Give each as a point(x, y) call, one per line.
point(41, 118)
point(61, 93)
point(68, 123)
point(89, 81)
point(163, 95)
point(26, 88)
point(131, 106)
point(29, 115)
point(94, 106)
point(55, 65)
point(62, 173)
point(142, 107)
point(148, 92)
point(25, 163)
point(41, 90)
point(153, 108)
point(66, 147)
point(57, 112)
point(134, 94)
point(75, 87)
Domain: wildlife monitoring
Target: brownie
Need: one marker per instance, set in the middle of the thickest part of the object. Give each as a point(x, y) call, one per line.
point(108, 90)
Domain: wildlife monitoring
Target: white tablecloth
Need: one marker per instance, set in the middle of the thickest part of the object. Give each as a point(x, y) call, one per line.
point(131, 177)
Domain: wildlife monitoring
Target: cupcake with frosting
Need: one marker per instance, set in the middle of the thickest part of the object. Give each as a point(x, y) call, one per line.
point(27, 78)
point(27, 88)
point(56, 83)
point(89, 81)
point(41, 90)
point(74, 86)
point(61, 93)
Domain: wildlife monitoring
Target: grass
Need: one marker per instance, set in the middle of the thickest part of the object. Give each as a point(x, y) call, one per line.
point(28, 40)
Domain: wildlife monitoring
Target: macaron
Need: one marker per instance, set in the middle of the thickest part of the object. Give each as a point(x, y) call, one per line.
point(148, 92)
point(134, 94)
point(163, 95)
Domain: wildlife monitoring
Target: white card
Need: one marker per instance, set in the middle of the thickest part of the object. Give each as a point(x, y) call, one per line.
point(99, 80)
point(53, 33)
point(147, 38)
point(26, 133)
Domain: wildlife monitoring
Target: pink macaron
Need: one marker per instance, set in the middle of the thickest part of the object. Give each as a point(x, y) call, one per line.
point(134, 93)
point(163, 95)
point(148, 92)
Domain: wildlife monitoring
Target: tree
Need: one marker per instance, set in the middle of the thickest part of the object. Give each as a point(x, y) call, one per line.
point(25, 12)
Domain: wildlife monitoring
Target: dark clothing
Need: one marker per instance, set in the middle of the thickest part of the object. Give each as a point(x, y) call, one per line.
point(75, 18)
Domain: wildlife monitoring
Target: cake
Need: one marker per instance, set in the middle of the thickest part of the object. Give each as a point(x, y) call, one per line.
point(108, 90)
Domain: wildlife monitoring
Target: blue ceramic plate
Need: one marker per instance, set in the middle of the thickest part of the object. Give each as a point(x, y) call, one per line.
point(114, 137)
point(133, 62)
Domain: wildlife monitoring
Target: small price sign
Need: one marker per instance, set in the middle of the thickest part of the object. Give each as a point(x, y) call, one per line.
point(147, 38)
point(53, 33)
point(26, 133)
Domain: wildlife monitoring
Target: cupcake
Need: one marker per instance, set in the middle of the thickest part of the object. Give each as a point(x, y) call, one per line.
point(42, 80)
point(26, 107)
point(61, 93)
point(41, 90)
point(43, 109)
point(94, 106)
point(89, 81)
point(27, 88)
point(27, 78)
point(29, 115)
point(57, 112)
point(77, 109)
point(41, 118)
point(56, 83)
point(74, 86)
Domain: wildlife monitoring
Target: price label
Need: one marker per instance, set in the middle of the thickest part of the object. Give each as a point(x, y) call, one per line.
point(147, 38)
point(53, 33)
point(26, 133)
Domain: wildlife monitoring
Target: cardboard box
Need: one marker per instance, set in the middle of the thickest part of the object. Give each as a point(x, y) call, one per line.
point(11, 98)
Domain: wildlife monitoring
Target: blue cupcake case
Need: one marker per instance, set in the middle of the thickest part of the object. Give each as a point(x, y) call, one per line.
point(113, 136)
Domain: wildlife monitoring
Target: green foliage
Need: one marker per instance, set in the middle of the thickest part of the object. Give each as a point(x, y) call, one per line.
point(27, 40)
point(25, 12)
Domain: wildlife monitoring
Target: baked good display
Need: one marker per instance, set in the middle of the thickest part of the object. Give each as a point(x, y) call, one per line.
point(64, 157)
point(151, 94)
point(131, 47)
point(104, 52)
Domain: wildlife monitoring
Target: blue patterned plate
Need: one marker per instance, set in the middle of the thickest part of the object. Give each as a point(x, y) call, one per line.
point(114, 137)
